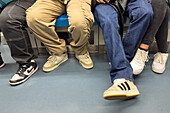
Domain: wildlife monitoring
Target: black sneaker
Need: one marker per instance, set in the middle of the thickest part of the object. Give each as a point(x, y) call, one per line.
point(2, 64)
point(24, 73)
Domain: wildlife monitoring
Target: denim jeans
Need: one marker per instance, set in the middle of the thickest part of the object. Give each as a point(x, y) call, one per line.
point(120, 52)
point(12, 25)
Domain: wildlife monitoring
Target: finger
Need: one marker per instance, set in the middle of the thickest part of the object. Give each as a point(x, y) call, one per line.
point(100, 1)
point(107, 1)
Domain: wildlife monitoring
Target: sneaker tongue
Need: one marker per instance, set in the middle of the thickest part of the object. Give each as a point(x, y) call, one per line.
point(52, 58)
point(21, 69)
point(84, 56)
point(118, 80)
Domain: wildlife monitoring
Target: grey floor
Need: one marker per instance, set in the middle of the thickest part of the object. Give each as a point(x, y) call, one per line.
point(72, 89)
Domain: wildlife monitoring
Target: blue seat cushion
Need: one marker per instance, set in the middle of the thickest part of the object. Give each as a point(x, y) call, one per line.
point(62, 21)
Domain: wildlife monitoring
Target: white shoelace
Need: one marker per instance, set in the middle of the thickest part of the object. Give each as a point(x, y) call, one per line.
point(160, 58)
point(85, 56)
point(52, 58)
point(143, 56)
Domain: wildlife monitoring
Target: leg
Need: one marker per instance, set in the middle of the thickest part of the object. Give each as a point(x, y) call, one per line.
point(140, 14)
point(80, 20)
point(162, 34)
point(41, 18)
point(107, 18)
point(160, 9)
point(161, 57)
point(13, 22)
point(121, 71)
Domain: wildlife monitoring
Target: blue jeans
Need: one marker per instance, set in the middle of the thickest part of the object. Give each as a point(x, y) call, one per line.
point(121, 52)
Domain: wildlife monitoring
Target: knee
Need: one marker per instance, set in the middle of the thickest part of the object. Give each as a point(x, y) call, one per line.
point(4, 19)
point(110, 23)
point(30, 18)
point(12, 21)
point(145, 13)
point(80, 24)
point(148, 14)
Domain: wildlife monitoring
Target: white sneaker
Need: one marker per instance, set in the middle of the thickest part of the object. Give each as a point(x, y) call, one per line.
point(85, 60)
point(121, 89)
point(24, 73)
point(138, 61)
point(159, 62)
point(54, 61)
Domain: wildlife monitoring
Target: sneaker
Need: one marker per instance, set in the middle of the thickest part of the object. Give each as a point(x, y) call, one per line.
point(2, 64)
point(138, 61)
point(54, 61)
point(159, 62)
point(121, 89)
point(85, 60)
point(24, 73)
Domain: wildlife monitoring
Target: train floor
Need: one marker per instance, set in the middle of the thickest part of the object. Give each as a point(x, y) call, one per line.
point(72, 89)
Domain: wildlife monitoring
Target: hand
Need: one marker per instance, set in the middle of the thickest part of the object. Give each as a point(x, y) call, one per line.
point(101, 1)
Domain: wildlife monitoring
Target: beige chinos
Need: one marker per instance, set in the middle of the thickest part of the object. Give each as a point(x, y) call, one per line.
point(41, 18)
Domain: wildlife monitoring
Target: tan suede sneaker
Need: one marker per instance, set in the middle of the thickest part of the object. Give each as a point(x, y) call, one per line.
point(85, 60)
point(54, 61)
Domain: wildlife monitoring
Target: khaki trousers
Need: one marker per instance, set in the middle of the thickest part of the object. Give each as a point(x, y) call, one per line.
point(41, 18)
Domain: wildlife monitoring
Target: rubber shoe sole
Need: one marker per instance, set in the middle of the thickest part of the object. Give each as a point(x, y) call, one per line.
point(121, 96)
point(89, 66)
point(2, 65)
point(159, 71)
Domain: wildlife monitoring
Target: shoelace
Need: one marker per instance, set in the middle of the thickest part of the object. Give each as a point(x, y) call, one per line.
point(142, 57)
point(21, 69)
point(160, 58)
point(52, 58)
point(85, 56)
point(147, 59)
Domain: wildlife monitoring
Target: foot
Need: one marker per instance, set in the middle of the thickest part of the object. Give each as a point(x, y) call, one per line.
point(24, 73)
point(138, 61)
point(121, 89)
point(54, 61)
point(85, 60)
point(159, 62)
